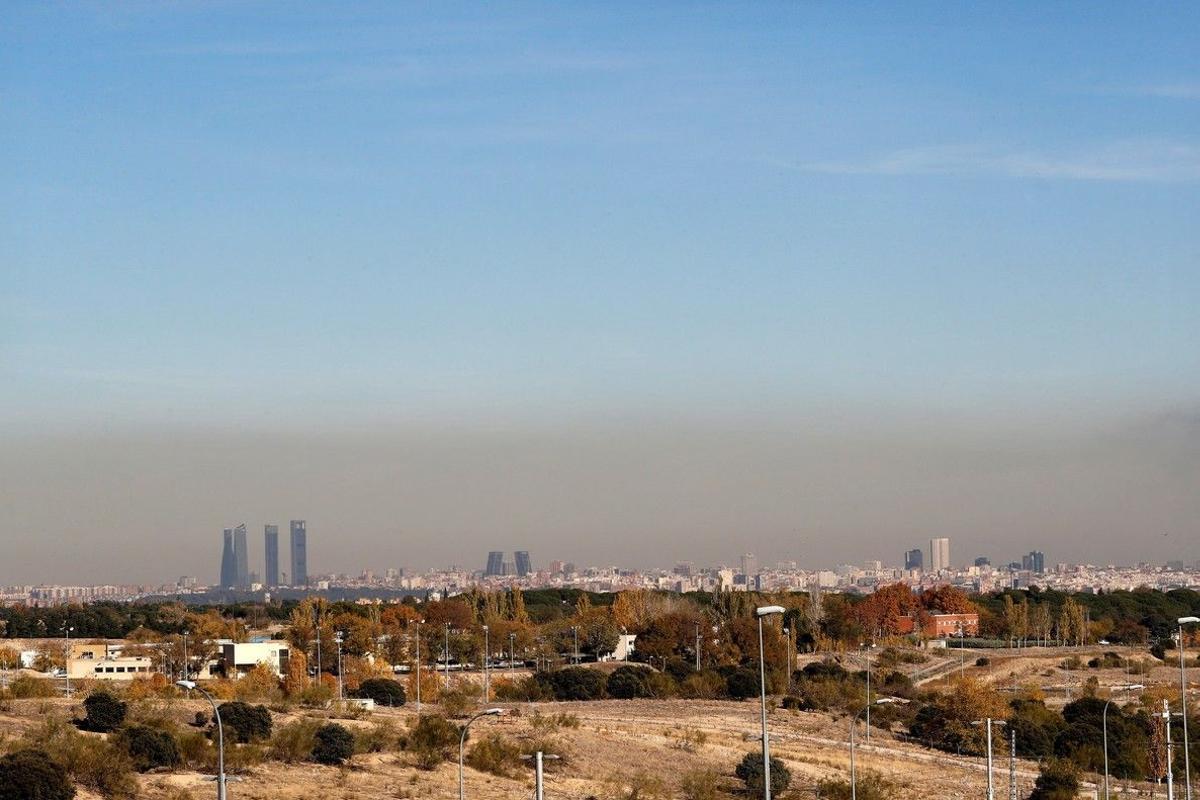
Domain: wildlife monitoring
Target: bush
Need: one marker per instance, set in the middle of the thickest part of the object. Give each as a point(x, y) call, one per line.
point(982, 661)
point(201, 719)
point(248, 723)
point(27, 686)
point(104, 712)
point(148, 747)
point(90, 761)
point(459, 701)
point(628, 682)
point(33, 775)
point(333, 746)
point(1058, 780)
point(742, 683)
point(378, 739)
point(294, 742)
point(706, 685)
point(750, 770)
point(383, 691)
point(574, 683)
point(432, 739)
point(867, 787)
point(495, 754)
point(700, 784)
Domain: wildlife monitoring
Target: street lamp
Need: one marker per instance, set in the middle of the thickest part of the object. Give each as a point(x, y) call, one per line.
point(787, 637)
point(699, 642)
point(538, 758)
point(854, 724)
point(991, 784)
point(190, 685)
point(867, 649)
point(420, 622)
point(186, 671)
point(338, 639)
point(512, 656)
point(1104, 723)
point(462, 738)
point(487, 689)
point(761, 612)
point(1187, 760)
point(575, 633)
point(67, 656)
point(446, 671)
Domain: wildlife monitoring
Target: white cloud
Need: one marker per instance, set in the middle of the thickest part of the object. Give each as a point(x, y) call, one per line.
point(1141, 160)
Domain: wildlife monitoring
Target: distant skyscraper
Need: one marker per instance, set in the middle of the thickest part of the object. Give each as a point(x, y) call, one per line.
point(1034, 562)
point(271, 543)
point(228, 561)
point(524, 566)
point(983, 561)
point(495, 563)
point(242, 555)
point(914, 559)
point(939, 554)
point(749, 565)
point(299, 551)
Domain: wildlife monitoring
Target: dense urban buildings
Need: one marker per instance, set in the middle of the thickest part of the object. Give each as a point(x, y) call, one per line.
point(299, 553)
point(271, 556)
point(914, 559)
point(939, 555)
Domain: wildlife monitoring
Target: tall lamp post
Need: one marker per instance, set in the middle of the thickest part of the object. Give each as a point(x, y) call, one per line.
point(538, 758)
point(787, 641)
point(575, 633)
point(512, 656)
point(867, 648)
point(765, 611)
point(487, 693)
point(699, 642)
point(462, 738)
point(420, 622)
point(187, 673)
point(67, 656)
point(338, 639)
point(1187, 760)
point(854, 724)
point(191, 685)
point(1104, 726)
point(991, 781)
point(446, 672)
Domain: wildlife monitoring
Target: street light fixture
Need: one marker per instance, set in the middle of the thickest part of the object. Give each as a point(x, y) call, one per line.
point(338, 639)
point(420, 622)
point(854, 724)
point(1104, 723)
point(991, 783)
point(487, 689)
point(67, 656)
point(462, 738)
point(1187, 760)
point(765, 611)
point(190, 686)
point(537, 759)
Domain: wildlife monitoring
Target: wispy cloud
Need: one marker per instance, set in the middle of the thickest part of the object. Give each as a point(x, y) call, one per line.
point(1156, 161)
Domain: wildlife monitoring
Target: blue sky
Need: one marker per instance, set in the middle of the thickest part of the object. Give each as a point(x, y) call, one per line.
point(225, 211)
point(956, 244)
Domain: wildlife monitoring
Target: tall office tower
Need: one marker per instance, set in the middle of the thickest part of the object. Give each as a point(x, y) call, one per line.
point(299, 550)
point(1034, 562)
point(228, 561)
point(243, 556)
point(983, 561)
point(495, 564)
point(749, 565)
point(271, 541)
point(939, 554)
point(524, 567)
point(914, 559)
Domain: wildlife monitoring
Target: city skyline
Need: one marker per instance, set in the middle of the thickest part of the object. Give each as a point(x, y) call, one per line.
point(601, 281)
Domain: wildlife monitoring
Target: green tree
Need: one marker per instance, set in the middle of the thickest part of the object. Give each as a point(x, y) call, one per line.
point(333, 744)
point(104, 713)
point(1058, 780)
point(750, 770)
point(33, 775)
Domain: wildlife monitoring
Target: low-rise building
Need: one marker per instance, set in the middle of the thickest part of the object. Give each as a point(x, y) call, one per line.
point(105, 661)
point(238, 658)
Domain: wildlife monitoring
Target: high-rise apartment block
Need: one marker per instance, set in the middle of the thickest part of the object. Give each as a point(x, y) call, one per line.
point(749, 565)
point(271, 545)
point(914, 559)
point(299, 552)
point(939, 554)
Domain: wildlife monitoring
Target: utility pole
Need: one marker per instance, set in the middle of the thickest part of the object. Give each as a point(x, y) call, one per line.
point(697, 647)
point(991, 795)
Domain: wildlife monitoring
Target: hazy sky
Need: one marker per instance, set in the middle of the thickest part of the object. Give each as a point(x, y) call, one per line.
point(614, 282)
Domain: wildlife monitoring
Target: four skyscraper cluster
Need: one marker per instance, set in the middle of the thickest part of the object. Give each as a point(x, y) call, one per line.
point(235, 567)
